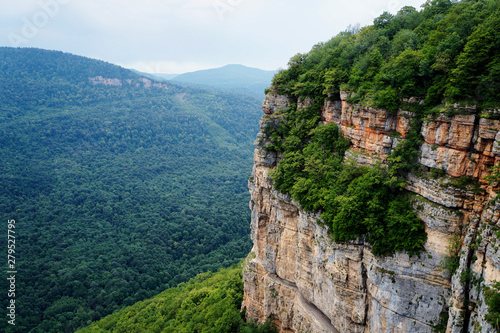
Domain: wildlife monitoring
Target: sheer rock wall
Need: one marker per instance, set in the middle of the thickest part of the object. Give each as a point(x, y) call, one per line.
point(296, 275)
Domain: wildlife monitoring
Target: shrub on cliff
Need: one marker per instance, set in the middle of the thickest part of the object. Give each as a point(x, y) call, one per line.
point(492, 299)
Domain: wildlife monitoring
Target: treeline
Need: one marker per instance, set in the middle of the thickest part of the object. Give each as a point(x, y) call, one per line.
point(36, 78)
point(446, 52)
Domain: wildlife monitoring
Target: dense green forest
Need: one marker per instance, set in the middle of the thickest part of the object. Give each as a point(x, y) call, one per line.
point(119, 192)
point(448, 52)
point(210, 302)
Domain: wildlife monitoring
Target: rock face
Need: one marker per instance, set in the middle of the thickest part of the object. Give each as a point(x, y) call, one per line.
point(274, 103)
point(304, 281)
point(141, 82)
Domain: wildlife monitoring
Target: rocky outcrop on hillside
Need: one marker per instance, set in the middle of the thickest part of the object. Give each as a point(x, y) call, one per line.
point(298, 276)
point(141, 82)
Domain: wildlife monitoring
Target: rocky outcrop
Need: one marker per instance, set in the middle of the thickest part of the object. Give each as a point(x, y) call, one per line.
point(105, 81)
point(463, 144)
point(274, 103)
point(141, 82)
point(298, 276)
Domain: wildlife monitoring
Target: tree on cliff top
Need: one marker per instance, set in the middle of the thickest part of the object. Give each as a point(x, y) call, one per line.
point(447, 52)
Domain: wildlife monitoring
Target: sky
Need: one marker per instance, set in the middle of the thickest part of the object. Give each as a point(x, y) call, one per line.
point(178, 36)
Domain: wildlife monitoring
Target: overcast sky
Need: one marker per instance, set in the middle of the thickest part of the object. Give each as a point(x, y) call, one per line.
point(177, 36)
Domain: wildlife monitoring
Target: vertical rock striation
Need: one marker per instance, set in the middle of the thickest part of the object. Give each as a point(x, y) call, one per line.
point(298, 276)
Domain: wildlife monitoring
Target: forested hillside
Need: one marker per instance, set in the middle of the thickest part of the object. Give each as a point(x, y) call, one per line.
point(118, 191)
point(210, 302)
point(447, 52)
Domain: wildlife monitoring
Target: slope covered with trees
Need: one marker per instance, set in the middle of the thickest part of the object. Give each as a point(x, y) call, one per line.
point(119, 192)
point(210, 302)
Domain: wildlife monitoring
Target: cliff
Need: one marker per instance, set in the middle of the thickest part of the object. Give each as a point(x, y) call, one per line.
point(306, 282)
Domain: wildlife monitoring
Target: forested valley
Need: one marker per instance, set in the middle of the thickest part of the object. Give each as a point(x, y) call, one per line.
point(118, 191)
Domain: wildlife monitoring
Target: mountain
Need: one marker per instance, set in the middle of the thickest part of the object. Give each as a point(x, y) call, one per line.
point(120, 186)
point(237, 78)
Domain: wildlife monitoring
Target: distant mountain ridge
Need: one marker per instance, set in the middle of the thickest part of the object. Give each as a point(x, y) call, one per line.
point(32, 77)
point(65, 66)
point(236, 78)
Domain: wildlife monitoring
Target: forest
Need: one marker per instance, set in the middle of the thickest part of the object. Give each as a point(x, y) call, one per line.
point(119, 192)
point(448, 52)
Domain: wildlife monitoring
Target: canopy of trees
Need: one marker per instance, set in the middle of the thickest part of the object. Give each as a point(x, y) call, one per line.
point(447, 52)
point(208, 303)
point(118, 192)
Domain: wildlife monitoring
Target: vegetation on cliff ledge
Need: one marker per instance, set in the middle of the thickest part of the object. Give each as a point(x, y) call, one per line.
point(492, 299)
point(354, 201)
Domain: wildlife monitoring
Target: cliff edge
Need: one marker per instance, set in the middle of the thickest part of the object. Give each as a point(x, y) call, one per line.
point(297, 275)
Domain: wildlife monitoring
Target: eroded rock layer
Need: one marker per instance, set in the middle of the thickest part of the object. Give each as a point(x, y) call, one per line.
point(298, 276)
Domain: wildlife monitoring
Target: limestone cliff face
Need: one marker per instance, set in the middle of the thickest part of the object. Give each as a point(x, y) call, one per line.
point(297, 275)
